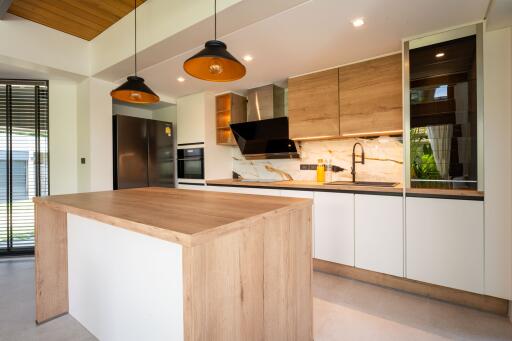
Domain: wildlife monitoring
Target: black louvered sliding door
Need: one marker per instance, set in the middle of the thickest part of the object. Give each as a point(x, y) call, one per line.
point(24, 160)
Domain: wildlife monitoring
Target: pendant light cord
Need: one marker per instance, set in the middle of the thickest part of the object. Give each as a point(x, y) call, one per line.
point(215, 20)
point(135, 6)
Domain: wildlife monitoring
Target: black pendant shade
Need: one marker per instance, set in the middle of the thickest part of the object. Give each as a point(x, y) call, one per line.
point(134, 90)
point(214, 63)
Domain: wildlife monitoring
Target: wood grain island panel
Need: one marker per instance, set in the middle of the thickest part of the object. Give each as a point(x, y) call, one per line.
point(246, 260)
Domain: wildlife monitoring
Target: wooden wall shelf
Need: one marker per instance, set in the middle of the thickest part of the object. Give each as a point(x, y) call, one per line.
point(229, 108)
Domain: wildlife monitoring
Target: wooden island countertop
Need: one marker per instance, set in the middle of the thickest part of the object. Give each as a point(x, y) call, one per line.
point(176, 264)
point(185, 217)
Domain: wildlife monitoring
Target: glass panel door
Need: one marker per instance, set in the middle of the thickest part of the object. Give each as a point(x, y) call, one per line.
point(23, 161)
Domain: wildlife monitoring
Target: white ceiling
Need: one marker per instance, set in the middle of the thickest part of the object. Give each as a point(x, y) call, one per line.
point(316, 35)
point(500, 14)
point(292, 38)
point(11, 68)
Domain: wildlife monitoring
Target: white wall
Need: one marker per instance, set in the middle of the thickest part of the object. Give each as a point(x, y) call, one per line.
point(218, 159)
point(83, 148)
point(127, 110)
point(101, 135)
point(63, 137)
point(157, 20)
point(498, 162)
point(191, 120)
point(27, 41)
point(95, 135)
point(167, 114)
point(197, 123)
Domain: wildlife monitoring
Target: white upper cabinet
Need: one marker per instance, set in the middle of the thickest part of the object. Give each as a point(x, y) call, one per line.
point(445, 242)
point(334, 227)
point(191, 119)
point(379, 242)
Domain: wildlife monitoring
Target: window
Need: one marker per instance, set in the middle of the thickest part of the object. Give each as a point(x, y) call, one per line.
point(443, 114)
point(23, 160)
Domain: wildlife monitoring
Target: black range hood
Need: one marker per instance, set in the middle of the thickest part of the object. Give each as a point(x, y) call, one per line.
point(265, 139)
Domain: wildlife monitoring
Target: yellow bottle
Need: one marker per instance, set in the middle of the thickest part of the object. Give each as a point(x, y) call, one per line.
point(320, 171)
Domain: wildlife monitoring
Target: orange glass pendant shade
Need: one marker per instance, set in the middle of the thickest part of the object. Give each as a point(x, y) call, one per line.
point(214, 63)
point(134, 90)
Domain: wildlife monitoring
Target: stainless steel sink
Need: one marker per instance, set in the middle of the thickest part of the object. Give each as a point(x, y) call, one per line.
point(363, 183)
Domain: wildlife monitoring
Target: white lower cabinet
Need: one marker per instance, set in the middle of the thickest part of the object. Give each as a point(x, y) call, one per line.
point(262, 191)
point(195, 187)
point(307, 195)
point(334, 227)
point(245, 190)
point(228, 189)
point(379, 242)
point(445, 242)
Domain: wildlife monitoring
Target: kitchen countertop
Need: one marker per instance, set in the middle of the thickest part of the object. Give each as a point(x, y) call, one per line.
point(186, 217)
point(315, 186)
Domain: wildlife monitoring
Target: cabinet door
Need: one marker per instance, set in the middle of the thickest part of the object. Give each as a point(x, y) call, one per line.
point(191, 119)
point(370, 95)
point(379, 242)
point(445, 240)
point(334, 227)
point(194, 187)
point(313, 107)
point(227, 189)
point(261, 191)
point(245, 190)
point(308, 195)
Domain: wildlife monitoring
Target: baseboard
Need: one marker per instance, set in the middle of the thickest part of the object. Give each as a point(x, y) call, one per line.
point(476, 301)
point(510, 311)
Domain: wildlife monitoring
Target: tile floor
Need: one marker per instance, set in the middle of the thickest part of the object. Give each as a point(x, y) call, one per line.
point(343, 310)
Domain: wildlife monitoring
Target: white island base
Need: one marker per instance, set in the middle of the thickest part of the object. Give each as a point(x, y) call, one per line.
point(124, 285)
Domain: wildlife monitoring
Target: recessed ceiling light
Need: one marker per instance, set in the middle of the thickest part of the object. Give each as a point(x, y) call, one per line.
point(180, 79)
point(358, 22)
point(248, 58)
point(440, 54)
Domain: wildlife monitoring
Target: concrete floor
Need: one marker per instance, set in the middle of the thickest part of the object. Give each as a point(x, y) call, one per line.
point(350, 310)
point(343, 310)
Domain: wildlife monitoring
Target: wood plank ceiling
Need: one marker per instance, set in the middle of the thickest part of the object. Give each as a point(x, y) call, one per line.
point(82, 18)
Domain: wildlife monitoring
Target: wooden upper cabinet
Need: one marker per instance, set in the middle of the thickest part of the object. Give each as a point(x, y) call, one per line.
point(370, 96)
point(313, 107)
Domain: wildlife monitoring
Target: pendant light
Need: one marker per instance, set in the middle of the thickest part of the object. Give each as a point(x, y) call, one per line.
point(134, 90)
point(214, 63)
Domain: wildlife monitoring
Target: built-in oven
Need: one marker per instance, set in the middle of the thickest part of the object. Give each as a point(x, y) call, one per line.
point(191, 163)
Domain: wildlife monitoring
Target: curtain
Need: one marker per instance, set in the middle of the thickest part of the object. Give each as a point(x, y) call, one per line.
point(440, 137)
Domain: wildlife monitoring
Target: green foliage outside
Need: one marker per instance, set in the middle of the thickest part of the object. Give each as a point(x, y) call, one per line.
point(423, 164)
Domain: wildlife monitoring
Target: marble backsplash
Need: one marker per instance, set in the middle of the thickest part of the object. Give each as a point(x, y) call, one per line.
point(384, 161)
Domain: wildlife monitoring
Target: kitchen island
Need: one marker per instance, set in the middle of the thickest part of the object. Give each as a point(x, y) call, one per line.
point(170, 264)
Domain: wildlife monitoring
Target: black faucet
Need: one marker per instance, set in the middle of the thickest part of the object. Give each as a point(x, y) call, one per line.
point(353, 172)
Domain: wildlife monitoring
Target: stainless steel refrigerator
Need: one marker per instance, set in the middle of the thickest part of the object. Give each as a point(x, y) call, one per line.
point(143, 153)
